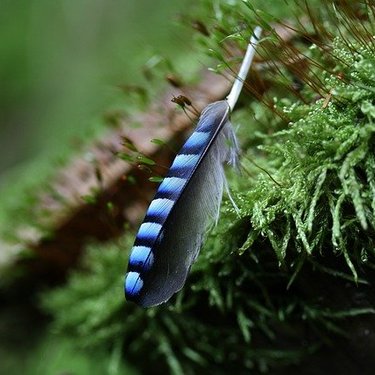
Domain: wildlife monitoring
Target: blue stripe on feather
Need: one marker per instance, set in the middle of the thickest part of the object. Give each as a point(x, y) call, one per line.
point(149, 231)
point(133, 283)
point(195, 142)
point(184, 162)
point(171, 185)
point(141, 258)
point(160, 208)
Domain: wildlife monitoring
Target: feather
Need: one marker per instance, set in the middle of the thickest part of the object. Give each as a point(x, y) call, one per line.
point(185, 204)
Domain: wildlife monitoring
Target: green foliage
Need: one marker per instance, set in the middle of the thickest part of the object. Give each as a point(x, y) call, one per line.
point(101, 305)
point(324, 165)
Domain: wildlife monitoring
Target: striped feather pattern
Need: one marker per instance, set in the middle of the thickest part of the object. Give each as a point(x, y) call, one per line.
point(185, 204)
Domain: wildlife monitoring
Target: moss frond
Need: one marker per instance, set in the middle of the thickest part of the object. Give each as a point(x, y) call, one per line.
point(322, 162)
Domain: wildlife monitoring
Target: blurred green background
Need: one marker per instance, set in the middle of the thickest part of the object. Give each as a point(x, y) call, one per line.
point(60, 62)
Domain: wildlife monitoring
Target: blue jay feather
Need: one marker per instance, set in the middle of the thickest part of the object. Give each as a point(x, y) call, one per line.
point(185, 204)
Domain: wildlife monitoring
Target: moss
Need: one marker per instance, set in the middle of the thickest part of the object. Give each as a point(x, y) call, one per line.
point(323, 162)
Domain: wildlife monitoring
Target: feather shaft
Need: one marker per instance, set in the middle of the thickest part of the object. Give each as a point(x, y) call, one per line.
point(248, 59)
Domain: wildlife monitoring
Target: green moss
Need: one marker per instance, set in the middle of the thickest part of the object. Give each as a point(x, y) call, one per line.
point(324, 165)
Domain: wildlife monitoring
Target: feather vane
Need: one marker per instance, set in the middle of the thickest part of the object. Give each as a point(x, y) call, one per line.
point(185, 204)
